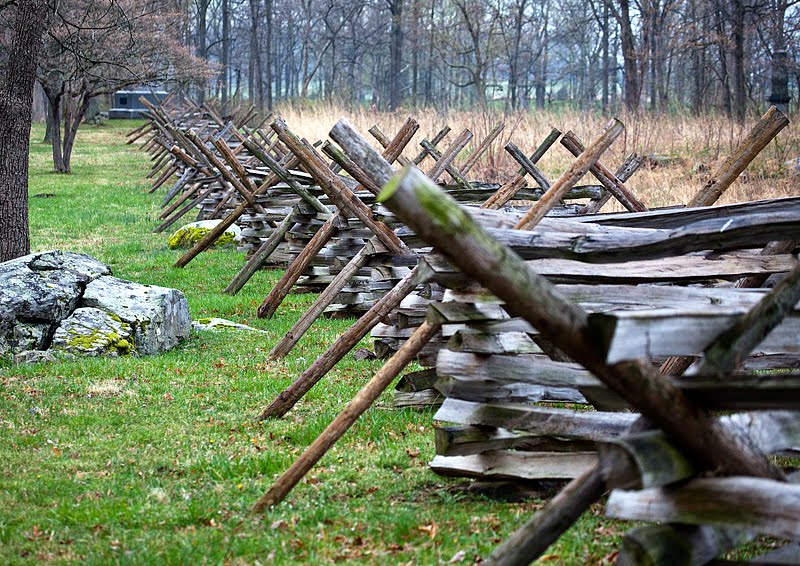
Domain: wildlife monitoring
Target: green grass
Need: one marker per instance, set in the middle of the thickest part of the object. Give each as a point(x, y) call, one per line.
point(159, 459)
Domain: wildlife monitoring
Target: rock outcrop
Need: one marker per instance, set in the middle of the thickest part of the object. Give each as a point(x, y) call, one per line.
point(69, 303)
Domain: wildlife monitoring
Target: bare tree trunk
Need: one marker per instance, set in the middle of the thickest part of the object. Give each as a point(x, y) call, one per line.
point(226, 54)
point(396, 54)
point(202, 43)
point(267, 85)
point(255, 83)
point(779, 68)
point(16, 102)
point(739, 93)
point(629, 56)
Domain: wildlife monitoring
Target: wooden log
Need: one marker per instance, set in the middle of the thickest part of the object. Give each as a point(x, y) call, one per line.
point(606, 177)
point(450, 168)
point(285, 345)
point(629, 335)
point(750, 330)
point(762, 133)
point(561, 238)
point(501, 464)
point(336, 190)
point(284, 285)
point(261, 254)
point(342, 423)
point(547, 421)
point(439, 220)
point(289, 396)
point(528, 165)
point(449, 154)
point(186, 177)
point(286, 177)
point(513, 185)
point(571, 176)
point(464, 440)
point(623, 173)
point(772, 248)
point(758, 504)
point(440, 135)
point(481, 149)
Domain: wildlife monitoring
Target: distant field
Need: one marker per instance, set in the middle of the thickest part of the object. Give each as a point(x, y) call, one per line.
point(700, 143)
point(158, 460)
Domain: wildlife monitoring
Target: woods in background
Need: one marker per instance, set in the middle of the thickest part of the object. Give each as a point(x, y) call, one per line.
point(728, 55)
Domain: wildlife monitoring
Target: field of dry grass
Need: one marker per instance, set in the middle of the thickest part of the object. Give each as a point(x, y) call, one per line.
point(698, 143)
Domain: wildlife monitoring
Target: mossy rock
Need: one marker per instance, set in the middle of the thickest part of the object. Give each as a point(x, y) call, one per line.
point(187, 236)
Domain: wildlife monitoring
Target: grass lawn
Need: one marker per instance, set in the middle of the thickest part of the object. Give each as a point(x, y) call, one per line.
point(159, 459)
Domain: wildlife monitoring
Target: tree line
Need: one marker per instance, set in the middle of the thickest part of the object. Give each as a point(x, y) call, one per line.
point(723, 55)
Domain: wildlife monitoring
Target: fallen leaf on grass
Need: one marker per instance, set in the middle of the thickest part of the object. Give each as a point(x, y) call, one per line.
point(168, 396)
point(430, 528)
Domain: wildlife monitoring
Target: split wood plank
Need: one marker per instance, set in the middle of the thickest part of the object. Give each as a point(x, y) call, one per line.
point(511, 187)
point(612, 184)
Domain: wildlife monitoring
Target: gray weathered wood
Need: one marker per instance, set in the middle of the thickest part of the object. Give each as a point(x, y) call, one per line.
point(504, 464)
point(571, 176)
point(762, 505)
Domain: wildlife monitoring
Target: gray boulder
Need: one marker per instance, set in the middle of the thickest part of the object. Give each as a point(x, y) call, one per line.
point(37, 292)
point(158, 316)
point(70, 303)
point(93, 332)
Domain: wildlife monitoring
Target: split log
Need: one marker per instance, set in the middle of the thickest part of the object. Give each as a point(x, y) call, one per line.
point(498, 465)
point(606, 177)
point(439, 220)
point(762, 133)
point(342, 423)
point(571, 176)
point(516, 183)
point(529, 166)
point(758, 504)
point(623, 173)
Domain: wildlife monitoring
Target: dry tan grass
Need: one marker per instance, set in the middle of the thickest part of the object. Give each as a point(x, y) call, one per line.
point(701, 143)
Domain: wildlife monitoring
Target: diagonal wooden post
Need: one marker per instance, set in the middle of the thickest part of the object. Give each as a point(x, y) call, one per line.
point(762, 133)
point(571, 176)
point(342, 423)
point(606, 177)
point(348, 202)
point(516, 183)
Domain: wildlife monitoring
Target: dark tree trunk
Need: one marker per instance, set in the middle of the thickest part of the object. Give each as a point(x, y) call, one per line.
point(202, 43)
point(226, 55)
point(629, 56)
point(779, 93)
point(739, 92)
point(16, 102)
point(267, 88)
point(396, 54)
